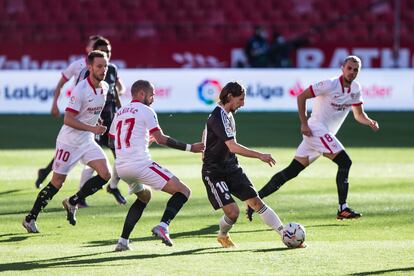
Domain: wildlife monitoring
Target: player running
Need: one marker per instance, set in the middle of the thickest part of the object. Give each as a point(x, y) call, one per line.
point(221, 172)
point(333, 100)
point(75, 142)
point(132, 128)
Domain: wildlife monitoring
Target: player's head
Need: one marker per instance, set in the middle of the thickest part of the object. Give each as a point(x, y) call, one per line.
point(103, 45)
point(143, 91)
point(97, 64)
point(232, 95)
point(91, 41)
point(350, 68)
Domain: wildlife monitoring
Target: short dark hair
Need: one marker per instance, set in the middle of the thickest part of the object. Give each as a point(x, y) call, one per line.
point(353, 59)
point(100, 42)
point(141, 85)
point(232, 88)
point(96, 53)
point(94, 37)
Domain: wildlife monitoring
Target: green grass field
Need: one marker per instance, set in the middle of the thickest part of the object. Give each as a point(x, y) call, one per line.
point(381, 187)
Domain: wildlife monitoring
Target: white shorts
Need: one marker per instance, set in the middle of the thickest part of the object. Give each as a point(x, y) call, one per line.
point(67, 156)
point(152, 175)
point(312, 147)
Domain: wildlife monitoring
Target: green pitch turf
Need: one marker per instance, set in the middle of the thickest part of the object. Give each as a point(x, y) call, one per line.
point(380, 243)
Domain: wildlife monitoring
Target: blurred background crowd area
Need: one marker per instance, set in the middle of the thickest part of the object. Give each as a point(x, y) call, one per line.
point(216, 25)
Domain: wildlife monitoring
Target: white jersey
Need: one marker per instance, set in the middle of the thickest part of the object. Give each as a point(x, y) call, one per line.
point(74, 69)
point(87, 103)
point(131, 128)
point(332, 104)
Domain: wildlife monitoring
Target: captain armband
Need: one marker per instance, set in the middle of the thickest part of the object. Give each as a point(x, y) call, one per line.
point(175, 144)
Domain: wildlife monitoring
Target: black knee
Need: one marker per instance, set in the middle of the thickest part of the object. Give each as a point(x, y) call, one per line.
point(294, 168)
point(342, 160)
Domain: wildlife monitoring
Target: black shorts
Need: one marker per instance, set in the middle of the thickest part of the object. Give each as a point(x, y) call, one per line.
point(220, 187)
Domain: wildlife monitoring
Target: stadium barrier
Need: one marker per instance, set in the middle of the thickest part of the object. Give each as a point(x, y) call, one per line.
point(189, 90)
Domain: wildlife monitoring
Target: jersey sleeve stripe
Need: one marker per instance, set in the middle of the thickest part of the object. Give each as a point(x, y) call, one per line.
point(71, 110)
point(154, 130)
point(325, 144)
point(159, 173)
point(63, 76)
point(357, 104)
point(311, 90)
point(110, 135)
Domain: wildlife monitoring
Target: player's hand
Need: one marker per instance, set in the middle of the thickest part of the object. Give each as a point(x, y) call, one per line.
point(55, 111)
point(99, 129)
point(151, 140)
point(197, 147)
point(267, 158)
point(374, 125)
point(305, 130)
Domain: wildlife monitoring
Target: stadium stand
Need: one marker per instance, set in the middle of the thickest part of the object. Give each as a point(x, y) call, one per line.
point(200, 20)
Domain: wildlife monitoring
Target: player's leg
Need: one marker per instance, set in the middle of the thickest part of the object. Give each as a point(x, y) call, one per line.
point(134, 214)
point(231, 214)
point(43, 198)
point(305, 154)
point(219, 195)
point(344, 164)
point(43, 173)
point(95, 158)
point(86, 174)
point(266, 213)
point(112, 187)
point(180, 194)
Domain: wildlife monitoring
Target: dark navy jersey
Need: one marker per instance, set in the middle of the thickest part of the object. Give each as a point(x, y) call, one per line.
point(220, 127)
point(111, 78)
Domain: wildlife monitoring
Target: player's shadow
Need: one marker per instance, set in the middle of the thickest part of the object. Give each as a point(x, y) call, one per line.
point(49, 210)
point(402, 269)
point(327, 225)
point(87, 261)
point(10, 192)
point(201, 232)
point(13, 238)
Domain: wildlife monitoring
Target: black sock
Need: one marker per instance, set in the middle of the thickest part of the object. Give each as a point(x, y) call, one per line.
point(48, 168)
point(43, 198)
point(91, 186)
point(344, 164)
point(291, 171)
point(134, 214)
point(173, 206)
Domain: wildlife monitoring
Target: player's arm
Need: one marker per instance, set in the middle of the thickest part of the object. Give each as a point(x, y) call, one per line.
point(170, 142)
point(119, 90)
point(303, 115)
point(55, 109)
point(237, 148)
point(71, 121)
point(362, 117)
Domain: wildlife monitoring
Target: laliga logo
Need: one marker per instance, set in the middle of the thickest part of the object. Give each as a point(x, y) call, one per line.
point(296, 90)
point(208, 91)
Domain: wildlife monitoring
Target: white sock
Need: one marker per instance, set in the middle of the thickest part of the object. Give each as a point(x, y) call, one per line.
point(163, 224)
point(123, 241)
point(271, 218)
point(225, 225)
point(343, 207)
point(86, 175)
point(114, 179)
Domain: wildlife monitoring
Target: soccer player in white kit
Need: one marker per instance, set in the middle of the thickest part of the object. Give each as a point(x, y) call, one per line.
point(75, 142)
point(132, 128)
point(333, 100)
point(72, 70)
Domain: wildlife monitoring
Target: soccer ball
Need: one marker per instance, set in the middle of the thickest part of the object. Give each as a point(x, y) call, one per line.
point(293, 235)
